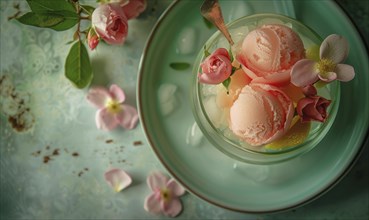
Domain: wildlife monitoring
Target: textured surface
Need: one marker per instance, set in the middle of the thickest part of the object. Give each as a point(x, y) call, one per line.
point(54, 168)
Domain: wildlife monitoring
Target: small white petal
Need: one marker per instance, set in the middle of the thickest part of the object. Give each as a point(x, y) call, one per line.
point(303, 73)
point(328, 77)
point(117, 179)
point(344, 72)
point(335, 48)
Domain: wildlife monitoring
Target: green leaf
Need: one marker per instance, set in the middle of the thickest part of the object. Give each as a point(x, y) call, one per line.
point(58, 21)
point(70, 20)
point(226, 83)
point(230, 53)
point(207, 23)
point(77, 66)
point(41, 20)
point(206, 52)
point(234, 69)
point(50, 5)
point(179, 65)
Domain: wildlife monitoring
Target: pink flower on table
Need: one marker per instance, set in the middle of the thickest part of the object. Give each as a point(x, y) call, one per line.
point(165, 195)
point(312, 107)
point(110, 23)
point(112, 112)
point(118, 179)
point(333, 51)
point(216, 68)
point(133, 8)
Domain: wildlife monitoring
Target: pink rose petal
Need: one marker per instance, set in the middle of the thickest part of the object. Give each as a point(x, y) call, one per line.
point(117, 93)
point(335, 48)
point(344, 72)
point(105, 120)
point(110, 23)
point(304, 73)
point(127, 117)
point(117, 179)
point(222, 52)
point(156, 181)
point(98, 96)
point(134, 8)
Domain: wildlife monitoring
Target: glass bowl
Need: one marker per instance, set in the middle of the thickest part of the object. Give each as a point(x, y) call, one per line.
point(212, 120)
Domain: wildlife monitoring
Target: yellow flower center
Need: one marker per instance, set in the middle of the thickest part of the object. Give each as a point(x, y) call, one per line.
point(165, 195)
point(113, 106)
point(325, 65)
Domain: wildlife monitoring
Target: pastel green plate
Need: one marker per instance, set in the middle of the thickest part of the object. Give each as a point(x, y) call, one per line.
point(204, 170)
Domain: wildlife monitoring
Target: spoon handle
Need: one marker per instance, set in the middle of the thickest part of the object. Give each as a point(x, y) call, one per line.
point(211, 10)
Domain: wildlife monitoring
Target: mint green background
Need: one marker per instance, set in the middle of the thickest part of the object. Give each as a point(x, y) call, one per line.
point(30, 189)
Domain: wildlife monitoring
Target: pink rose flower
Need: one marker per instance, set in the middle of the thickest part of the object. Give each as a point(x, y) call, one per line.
point(134, 8)
point(112, 112)
point(216, 68)
point(92, 39)
point(110, 23)
point(165, 195)
point(313, 108)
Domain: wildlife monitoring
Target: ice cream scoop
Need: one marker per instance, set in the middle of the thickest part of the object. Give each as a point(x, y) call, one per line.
point(261, 114)
point(268, 53)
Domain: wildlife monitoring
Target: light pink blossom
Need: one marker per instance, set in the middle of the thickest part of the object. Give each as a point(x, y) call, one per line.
point(110, 23)
point(216, 68)
point(333, 51)
point(118, 179)
point(112, 112)
point(165, 195)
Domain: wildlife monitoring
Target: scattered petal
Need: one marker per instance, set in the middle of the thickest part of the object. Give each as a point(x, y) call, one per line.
point(117, 179)
point(117, 93)
point(175, 188)
point(98, 96)
point(173, 208)
point(165, 195)
point(304, 73)
point(105, 120)
point(345, 72)
point(156, 181)
point(112, 112)
point(128, 117)
point(334, 48)
point(152, 203)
